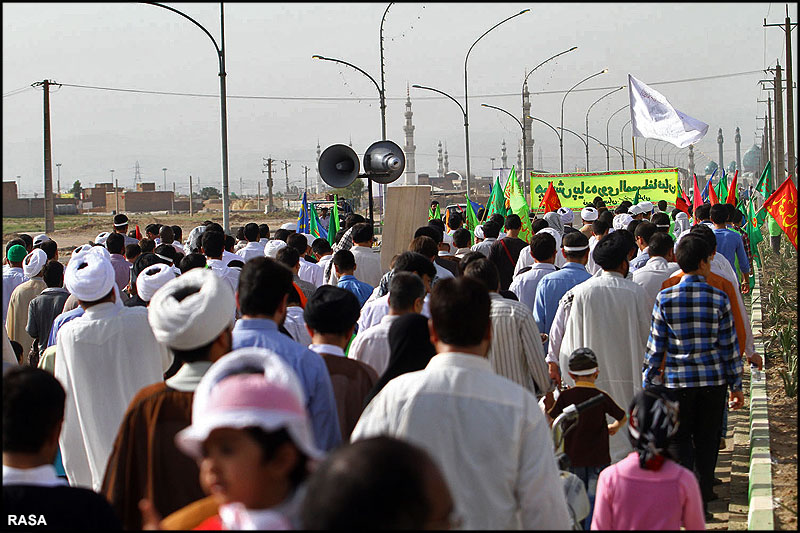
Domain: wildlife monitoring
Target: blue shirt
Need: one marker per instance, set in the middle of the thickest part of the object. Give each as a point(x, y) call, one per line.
point(310, 369)
point(550, 290)
point(692, 327)
point(361, 289)
point(60, 320)
point(730, 245)
point(641, 260)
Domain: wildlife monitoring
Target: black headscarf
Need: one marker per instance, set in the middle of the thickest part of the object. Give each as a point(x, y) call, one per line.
point(410, 350)
point(653, 423)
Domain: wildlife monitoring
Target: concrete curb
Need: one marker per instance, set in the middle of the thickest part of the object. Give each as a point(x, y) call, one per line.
point(760, 513)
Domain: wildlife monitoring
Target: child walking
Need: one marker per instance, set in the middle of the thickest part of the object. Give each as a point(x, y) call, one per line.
point(586, 444)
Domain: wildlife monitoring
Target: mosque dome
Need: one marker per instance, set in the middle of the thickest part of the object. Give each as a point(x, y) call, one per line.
point(711, 167)
point(751, 159)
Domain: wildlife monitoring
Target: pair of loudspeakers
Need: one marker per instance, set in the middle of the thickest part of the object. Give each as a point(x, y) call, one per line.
point(339, 166)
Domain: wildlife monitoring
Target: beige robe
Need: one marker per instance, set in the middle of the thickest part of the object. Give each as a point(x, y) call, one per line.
point(17, 317)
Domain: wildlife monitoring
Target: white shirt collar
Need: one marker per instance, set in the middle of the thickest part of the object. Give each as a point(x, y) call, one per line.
point(188, 377)
point(328, 349)
point(40, 476)
point(461, 360)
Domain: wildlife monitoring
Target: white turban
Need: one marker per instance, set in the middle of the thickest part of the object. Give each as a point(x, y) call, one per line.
point(272, 247)
point(635, 210)
point(589, 214)
point(645, 206)
point(39, 239)
point(90, 275)
point(34, 262)
point(479, 232)
point(681, 223)
point(566, 214)
point(193, 242)
point(187, 322)
point(554, 232)
point(80, 250)
point(153, 278)
point(622, 220)
point(290, 226)
point(101, 239)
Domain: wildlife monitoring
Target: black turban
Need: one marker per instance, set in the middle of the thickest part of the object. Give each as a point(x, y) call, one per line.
point(613, 249)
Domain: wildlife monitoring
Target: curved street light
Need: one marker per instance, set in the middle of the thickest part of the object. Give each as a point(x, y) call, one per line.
point(520, 126)
point(463, 113)
point(546, 124)
point(561, 143)
point(222, 98)
point(466, 93)
point(607, 146)
point(608, 122)
point(622, 143)
point(579, 137)
point(587, 120)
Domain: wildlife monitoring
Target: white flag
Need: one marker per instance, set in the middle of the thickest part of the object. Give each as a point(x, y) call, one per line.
point(653, 117)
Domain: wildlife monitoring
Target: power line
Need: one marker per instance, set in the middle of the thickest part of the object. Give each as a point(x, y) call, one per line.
point(356, 98)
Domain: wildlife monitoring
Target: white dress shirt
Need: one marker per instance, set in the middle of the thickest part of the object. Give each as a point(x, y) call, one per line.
point(251, 250)
point(103, 359)
point(487, 434)
point(231, 275)
point(722, 267)
point(227, 257)
point(327, 349)
point(369, 265)
point(524, 285)
point(484, 246)
point(310, 272)
point(525, 259)
point(442, 272)
point(40, 476)
point(374, 310)
point(652, 275)
point(12, 277)
point(372, 345)
point(592, 267)
point(295, 324)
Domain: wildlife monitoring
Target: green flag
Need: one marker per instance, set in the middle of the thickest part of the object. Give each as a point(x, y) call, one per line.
point(472, 218)
point(753, 229)
point(497, 201)
point(722, 188)
point(636, 198)
point(333, 224)
point(520, 207)
point(765, 180)
point(437, 214)
point(313, 221)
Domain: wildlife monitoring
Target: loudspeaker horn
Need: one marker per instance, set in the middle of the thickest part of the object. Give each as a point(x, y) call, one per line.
point(338, 166)
point(384, 162)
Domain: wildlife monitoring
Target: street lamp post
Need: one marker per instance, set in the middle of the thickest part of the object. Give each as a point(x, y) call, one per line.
point(58, 170)
point(561, 138)
point(585, 142)
point(587, 122)
point(622, 142)
point(523, 136)
point(165, 177)
point(608, 122)
point(601, 143)
point(466, 92)
point(222, 99)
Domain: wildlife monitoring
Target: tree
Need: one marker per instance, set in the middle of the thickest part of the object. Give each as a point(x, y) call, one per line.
point(352, 191)
point(208, 193)
point(76, 189)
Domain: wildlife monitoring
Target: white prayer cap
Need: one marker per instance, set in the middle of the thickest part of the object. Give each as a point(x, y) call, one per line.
point(190, 311)
point(90, 275)
point(34, 262)
point(272, 247)
point(622, 220)
point(645, 206)
point(682, 216)
point(290, 225)
point(566, 214)
point(39, 239)
point(554, 232)
point(193, 242)
point(101, 238)
point(589, 214)
point(479, 232)
point(635, 210)
point(153, 278)
point(232, 395)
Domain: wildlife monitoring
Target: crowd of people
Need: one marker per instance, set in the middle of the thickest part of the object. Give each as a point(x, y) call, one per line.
point(270, 380)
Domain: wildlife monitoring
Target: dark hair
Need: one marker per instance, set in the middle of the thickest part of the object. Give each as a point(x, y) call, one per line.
point(599, 227)
point(468, 258)
point(28, 240)
point(437, 223)
point(212, 243)
point(513, 222)
point(115, 243)
point(707, 234)
point(320, 246)
point(430, 231)
point(719, 213)
point(263, 231)
point(299, 242)
point(12, 242)
point(167, 235)
point(53, 274)
point(449, 299)
point(197, 354)
point(661, 221)
point(213, 226)
point(660, 244)
point(404, 289)
point(230, 242)
point(250, 232)
point(537, 225)
point(132, 251)
point(414, 262)
point(484, 271)
point(177, 232)
point(344, 260)
point(692, 250)
point(633, 224)
point(191, 261)
point(674, 213)
point(662, 205)
point(598, 202)
point(362, 232)
point(645, 230)
point(736, 217)
point(152, 228)
point(262, 285)
point(332, 310)
point(383, 477)
point(575, 239)
point(491, 229)
point(240, 234)
point(235, 263)
point(425, 246)
point(271, 441)
point(607, 217)
point(282, 234)
point(498, 219)
point(621, 208)
point(702, 212)
point(17, 347)
point(288, 256)
point(166, 250)
point(51, 247)
point(147, 245)
point(543, 246)
point(613, 250)
point(33, 406)
point(454, 221)
point(352, 219)
point(461, 238)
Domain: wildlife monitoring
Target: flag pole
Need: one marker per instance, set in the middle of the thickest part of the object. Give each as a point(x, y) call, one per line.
point(633, 142)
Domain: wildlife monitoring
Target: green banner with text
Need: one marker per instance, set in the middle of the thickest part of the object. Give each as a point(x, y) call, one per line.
point(578, 189)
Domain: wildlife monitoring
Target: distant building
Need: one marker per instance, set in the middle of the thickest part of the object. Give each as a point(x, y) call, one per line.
point(13, 206)
point(144, 198)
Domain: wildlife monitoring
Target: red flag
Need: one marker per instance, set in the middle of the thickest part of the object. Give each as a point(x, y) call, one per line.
point(732, 190)
point(782, 205)
point(681, 204)
point(697, 199)
point(712, 196)
point(550, 199)
point(138, 233)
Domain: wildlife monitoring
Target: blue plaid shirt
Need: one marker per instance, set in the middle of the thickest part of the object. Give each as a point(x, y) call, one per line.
point(693, 327)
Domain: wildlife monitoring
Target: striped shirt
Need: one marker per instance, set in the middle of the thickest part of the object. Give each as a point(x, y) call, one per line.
point(516, 350)
point(693, 328)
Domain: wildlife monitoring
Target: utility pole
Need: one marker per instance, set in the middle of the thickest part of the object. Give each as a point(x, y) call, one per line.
point(721, 156)
point(165, 178)
point(306, 169)
point(270, 205)
point(172, 200)
point(780, 174)
point(58, 167)
point(768, 125)
point(286, 166)
point(191, 206)
point(787, 27)
point(49, 223)
point(116, 195)
point(691, 163)
point(258, 204)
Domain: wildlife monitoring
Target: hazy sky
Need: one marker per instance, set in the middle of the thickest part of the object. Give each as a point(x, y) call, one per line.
point(268, 53)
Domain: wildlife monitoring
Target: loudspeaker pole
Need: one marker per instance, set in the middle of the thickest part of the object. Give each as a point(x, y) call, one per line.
point(268, 164)
point(49, 222)
point(306, 169)
point(191, 203)
point(286, 166)
point(172, 200)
